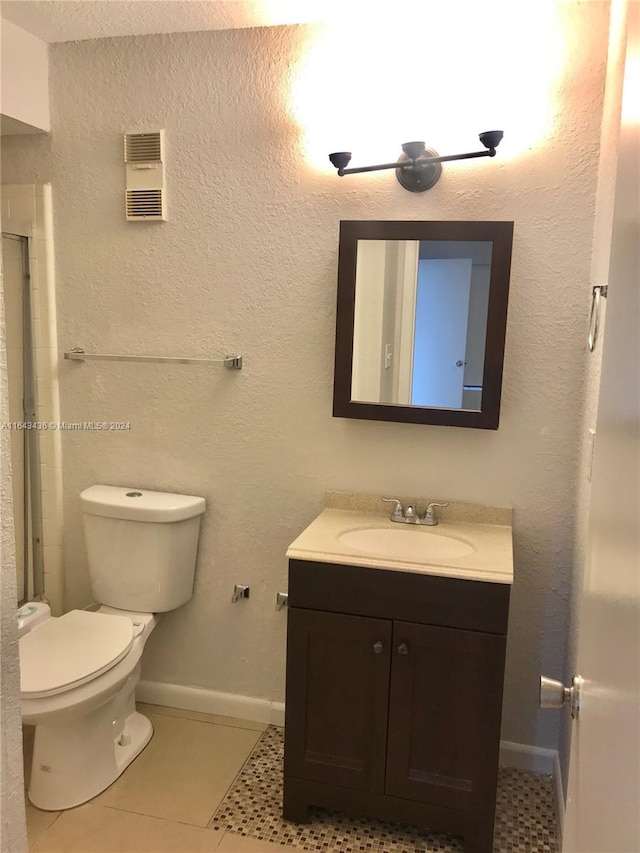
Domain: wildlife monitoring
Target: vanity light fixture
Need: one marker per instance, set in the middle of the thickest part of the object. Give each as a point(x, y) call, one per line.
point(418, 168)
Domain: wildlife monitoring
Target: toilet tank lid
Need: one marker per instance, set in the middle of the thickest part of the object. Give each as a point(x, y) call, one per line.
point(139, 504)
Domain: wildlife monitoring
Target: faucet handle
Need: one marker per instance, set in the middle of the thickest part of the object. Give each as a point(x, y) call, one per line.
point(398, 511)
point(429, 515)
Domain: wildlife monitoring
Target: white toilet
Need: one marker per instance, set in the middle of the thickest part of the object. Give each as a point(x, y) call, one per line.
point(78, 672)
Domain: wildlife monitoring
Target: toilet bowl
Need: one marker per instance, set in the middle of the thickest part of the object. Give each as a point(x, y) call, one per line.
point(78, 678)
point(79, 671)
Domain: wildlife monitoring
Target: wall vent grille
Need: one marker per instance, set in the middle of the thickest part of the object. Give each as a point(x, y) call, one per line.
point(144, 204)
point(145, 198)
point(143, 147)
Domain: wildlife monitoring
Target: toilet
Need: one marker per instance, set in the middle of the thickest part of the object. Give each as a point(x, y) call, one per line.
point(78, 672)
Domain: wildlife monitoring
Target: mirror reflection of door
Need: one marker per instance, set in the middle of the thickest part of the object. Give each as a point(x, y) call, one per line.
point(440, 332)
point(420, 322)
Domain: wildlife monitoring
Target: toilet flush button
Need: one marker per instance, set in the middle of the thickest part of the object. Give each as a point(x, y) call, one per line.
point(125, 739)
point(134, 494)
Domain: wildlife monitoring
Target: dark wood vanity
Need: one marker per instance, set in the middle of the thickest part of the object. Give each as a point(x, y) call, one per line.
point(394, 697)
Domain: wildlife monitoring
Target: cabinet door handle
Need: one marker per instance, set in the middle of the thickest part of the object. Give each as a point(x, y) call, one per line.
point(403, 649)
point(378, 647)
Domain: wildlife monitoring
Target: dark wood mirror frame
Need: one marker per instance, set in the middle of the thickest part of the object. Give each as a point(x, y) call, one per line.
point(500, 234)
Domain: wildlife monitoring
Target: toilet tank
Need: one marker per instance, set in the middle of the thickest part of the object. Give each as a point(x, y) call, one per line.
point(141, 546)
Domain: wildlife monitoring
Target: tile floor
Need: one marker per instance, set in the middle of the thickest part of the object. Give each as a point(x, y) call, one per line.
point(525, 814)
point(167, 799)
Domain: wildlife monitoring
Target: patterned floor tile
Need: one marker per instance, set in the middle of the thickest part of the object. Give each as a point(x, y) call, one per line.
point(525, 815)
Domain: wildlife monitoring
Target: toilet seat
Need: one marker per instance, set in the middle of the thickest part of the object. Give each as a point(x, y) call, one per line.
point(71, 650)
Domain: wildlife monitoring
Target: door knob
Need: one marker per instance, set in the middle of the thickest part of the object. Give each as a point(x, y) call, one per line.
point(554, 694)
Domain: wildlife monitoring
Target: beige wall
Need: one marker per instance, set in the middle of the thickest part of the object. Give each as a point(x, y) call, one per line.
point(247, 262)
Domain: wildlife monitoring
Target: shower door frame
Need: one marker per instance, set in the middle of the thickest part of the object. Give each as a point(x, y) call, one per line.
point(33, 564)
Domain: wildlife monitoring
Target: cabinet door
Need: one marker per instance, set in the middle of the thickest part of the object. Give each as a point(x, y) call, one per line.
point(337, 698)
point(444, 715)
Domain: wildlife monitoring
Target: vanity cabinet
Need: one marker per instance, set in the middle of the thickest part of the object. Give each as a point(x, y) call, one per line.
point(394, 697)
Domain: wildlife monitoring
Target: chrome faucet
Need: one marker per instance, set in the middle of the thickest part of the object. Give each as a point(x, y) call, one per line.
point(411, 516)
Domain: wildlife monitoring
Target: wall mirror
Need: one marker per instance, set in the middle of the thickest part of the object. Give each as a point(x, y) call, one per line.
point(421, 321)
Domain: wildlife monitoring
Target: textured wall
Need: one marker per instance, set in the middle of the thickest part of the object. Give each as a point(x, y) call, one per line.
point(13, 838)
point(248, 262)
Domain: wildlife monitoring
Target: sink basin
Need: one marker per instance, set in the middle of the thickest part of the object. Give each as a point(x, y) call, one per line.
point(416, 544)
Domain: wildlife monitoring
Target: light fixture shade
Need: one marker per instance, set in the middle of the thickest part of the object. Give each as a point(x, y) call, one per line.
point(491, 138)
point(413, 149)
point(340, 159)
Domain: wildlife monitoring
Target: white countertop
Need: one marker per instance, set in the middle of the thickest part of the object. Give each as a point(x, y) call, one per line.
point(491, 559)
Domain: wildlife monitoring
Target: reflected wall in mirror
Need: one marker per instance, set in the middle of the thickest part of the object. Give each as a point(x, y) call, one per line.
point(422, 309)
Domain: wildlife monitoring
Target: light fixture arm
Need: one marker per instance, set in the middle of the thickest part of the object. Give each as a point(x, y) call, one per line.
point(378, 168)
point(416, 169)
point(417, 161)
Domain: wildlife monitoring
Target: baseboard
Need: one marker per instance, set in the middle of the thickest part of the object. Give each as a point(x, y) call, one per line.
point(525, 757)
point(537, 760)
point(211, 702)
